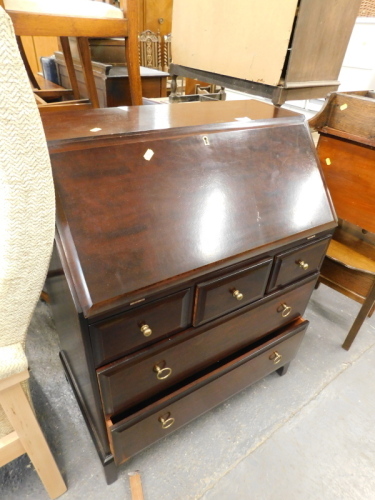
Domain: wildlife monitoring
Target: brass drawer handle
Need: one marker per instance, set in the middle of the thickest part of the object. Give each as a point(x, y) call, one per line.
point(303, 265)
point(162, 373)
point(285, 310)
point(146, 330)
point(166, 421)
point(237, 294)
point(275, 357)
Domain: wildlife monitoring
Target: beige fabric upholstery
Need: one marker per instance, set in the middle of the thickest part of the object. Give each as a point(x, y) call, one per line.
point(12, 360)
point(77, 8)
point(27, 203)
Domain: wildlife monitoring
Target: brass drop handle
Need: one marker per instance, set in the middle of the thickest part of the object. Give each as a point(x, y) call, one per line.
point(146, 330)
point(285, 310)
point(275, 357)
point(162, 373)
point(303, 265)
point(237, 294)
point(166, 421)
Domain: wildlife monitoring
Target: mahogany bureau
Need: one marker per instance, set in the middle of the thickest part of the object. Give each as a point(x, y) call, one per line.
point(188, 250)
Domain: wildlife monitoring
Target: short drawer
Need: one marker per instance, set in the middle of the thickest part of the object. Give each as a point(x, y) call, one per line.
point(136, 378)
point(112, 338)
point(217, 297)
point(135, 432)
point(297, 263)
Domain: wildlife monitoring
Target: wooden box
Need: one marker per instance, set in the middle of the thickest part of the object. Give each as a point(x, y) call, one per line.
point(189, 252)
point(112, 83)
point(287, 50)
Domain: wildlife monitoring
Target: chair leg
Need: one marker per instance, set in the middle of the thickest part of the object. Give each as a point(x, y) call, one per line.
point(25, 61)
point(371, 310)
point(85, 56)
point(132, 55)
point(18, 410)
point(64, 41)
point(365, 309)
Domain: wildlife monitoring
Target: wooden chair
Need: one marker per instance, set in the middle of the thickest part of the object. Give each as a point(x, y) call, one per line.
point(346, 150)
point(150, 50)
point(26, 234)
point(42, 18)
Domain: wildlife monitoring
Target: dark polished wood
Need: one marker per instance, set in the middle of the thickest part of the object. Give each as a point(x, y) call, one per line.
point(220, 296)
point(195, 350)
point(161, 218)
point(119, 262)
point(298, 263)
point(122, 333)
point(115, 121)
point(138, 431)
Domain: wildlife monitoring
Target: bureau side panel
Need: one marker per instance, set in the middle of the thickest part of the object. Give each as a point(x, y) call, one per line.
point(75, 351)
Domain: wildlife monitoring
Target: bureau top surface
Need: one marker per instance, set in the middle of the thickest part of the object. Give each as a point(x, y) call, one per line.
point(146, 209)
point(94, 123)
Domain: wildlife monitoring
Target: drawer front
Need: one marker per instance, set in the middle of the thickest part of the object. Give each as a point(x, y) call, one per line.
point(298, 263)
point(134, 379)
point(122, 334)
point(217, 297)
point(138, 431)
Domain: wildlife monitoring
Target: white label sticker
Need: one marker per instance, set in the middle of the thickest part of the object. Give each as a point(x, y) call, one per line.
point(148, 155)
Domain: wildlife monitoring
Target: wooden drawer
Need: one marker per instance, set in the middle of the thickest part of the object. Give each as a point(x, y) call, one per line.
point(296, 263)
point(136, 378)
point(122, 334)
point(217, 297)
point(139, 430)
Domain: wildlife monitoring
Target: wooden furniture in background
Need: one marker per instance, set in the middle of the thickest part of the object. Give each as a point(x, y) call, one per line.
point(346, 150)
point(36, 47)
point(187, 266)
point(155, 15)
point(112, 82)
point(280, 50)
point(150, 50)
point(152, 15)
point(44, 24)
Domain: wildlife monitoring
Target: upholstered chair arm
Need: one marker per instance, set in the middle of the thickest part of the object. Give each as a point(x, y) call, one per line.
point(12, 360)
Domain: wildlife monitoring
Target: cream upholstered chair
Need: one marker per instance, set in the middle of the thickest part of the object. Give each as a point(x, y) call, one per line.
point(27, 208)
point(80, 19)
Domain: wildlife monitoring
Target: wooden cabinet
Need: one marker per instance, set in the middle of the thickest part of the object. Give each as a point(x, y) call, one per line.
point(280, 50)
point(155, 15)
point(181, 248)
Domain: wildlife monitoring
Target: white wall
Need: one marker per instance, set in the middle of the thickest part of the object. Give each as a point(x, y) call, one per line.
point(358, 69)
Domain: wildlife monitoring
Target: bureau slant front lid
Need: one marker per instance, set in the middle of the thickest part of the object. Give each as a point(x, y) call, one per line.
point(147, 210)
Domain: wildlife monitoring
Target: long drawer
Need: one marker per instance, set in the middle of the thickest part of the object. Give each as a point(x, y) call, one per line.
point(135, 378)
point(137, 431)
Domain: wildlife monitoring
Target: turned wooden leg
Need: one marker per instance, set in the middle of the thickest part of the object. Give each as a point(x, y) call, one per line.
point(21, 416)
point(282, 371)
